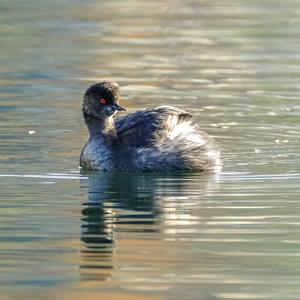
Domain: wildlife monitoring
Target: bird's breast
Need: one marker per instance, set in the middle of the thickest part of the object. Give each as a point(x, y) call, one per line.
point(97, 156)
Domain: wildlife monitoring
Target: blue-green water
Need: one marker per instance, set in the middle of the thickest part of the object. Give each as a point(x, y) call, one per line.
point(235, 65)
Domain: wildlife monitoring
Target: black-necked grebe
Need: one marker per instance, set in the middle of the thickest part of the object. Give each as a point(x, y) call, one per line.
point(157, 139)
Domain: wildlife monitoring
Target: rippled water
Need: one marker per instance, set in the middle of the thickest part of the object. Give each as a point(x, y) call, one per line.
point(235, 65)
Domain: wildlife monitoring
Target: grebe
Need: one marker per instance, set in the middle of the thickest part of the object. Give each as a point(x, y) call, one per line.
point(154, 139)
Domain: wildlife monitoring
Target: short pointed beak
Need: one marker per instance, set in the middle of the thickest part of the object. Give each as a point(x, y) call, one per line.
point(118, 107)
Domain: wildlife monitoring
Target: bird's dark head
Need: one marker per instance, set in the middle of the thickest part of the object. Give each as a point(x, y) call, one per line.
point(101, 100)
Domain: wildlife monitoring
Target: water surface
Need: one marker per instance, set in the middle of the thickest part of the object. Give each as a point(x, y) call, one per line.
point(235, 65)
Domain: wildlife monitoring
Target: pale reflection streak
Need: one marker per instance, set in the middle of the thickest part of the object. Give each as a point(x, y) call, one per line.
point(131, 204)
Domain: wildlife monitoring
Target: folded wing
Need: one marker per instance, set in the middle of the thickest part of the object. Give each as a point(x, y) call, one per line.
point(148, 127)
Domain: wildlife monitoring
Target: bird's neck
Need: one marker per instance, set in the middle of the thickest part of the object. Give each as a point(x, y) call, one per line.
point(101, 129)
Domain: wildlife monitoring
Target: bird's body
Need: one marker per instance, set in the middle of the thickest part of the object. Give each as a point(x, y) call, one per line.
point(159, 139)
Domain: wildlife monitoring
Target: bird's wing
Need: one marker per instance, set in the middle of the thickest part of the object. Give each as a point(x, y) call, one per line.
point(147, 127)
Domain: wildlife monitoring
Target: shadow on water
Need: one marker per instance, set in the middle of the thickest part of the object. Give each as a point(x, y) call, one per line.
point(134, 204)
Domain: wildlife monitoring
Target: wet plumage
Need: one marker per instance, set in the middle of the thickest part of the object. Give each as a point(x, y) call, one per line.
point(158, 139)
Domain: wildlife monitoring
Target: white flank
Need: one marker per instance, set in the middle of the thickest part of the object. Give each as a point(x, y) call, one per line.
point(188, 131)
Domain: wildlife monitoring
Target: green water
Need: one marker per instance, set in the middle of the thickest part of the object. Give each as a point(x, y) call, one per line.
point(236, 235)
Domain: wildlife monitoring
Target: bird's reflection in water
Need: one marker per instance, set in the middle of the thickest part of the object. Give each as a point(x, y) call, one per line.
point(132, 203)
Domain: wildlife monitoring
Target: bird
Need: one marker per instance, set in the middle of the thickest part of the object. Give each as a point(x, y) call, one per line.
point(159, 139)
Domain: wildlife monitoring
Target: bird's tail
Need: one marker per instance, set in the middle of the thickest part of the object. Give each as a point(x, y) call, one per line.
point(186, 148)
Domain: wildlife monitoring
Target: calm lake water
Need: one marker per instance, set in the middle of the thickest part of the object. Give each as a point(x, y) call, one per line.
point(236, 235)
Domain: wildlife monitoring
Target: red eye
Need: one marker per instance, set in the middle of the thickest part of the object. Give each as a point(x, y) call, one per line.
point(102, 101)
